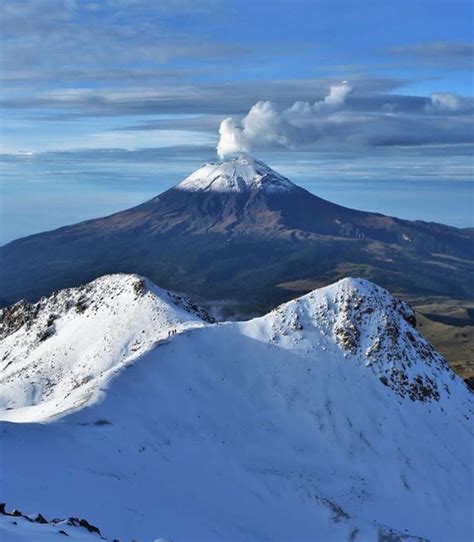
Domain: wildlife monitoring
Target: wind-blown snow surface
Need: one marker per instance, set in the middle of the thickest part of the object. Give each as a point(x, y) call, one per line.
point(329, 419)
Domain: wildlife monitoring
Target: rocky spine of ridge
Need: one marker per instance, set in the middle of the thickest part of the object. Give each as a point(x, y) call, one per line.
point(63, 348)
point(88, 297)
point(370, 327)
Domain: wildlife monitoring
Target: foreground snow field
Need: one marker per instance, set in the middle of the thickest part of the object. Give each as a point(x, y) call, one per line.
point(328, 419)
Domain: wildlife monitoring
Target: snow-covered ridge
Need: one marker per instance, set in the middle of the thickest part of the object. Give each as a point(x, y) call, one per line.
point(366, 325)
point(56, 354)
point(239, 175)
point(330, 418)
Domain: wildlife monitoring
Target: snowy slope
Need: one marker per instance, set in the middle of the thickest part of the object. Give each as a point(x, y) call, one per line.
point(22, 530)
point(239, 175)
point(329, 419)
point(58, 353)
point(366, 325)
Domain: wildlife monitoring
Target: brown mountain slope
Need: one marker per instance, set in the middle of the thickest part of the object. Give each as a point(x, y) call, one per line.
point(240, 236)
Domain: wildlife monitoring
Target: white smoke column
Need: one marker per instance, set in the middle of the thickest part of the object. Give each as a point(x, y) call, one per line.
point(265, 125)
point(231, 139)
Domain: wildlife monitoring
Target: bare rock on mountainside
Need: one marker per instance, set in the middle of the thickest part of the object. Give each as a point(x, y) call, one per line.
point(15, 525)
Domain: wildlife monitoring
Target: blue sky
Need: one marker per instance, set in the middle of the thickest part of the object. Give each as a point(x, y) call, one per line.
point(135, 74)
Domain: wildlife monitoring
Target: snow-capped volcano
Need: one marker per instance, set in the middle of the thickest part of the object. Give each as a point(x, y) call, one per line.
point(241, 232)
point(241, 174)
point(330, 418)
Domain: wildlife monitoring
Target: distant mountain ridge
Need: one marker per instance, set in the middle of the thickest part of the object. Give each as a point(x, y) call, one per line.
point(238, 231)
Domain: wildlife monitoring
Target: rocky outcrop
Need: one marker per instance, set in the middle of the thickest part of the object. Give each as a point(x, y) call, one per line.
point(39, 518)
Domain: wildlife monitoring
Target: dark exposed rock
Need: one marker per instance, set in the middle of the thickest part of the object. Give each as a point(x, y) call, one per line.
point(337, 513)
point(102, 421)
point(139, 287)
point(14, 317)
point(411, 319)
point(47, 333)
point(470, 383)
point(392, 535)
point(189, 305)
point(39, 518)
point(51, 320)
point(81, 305)
point(348, 337)
point(91, 528)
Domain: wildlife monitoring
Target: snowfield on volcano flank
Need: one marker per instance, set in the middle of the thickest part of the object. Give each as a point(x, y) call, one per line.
point(330, 418)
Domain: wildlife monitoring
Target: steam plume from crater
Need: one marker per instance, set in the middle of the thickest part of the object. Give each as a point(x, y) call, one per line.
point(265, 125)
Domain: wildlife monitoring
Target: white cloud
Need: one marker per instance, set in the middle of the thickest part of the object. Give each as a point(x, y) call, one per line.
point(264, 124)
point(231, 139)
point(445, 101)
point(337, 95)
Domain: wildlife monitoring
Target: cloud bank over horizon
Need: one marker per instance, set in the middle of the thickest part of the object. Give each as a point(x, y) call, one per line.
point(264, 124)
point(443, 118)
